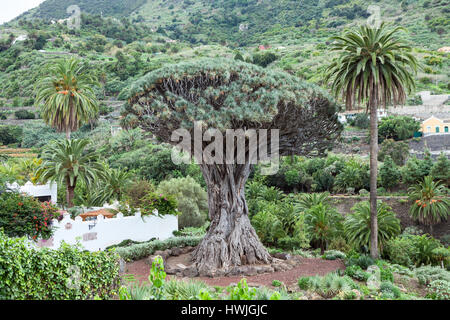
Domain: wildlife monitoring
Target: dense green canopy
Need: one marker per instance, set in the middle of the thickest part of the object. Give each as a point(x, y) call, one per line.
point(227, 94)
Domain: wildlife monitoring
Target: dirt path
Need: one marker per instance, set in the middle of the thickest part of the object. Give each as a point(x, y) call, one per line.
point(307, 267)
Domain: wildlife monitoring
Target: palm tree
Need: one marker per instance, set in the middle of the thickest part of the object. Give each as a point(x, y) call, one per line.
point(113, 184)
point(373, 67)
point(66, 94)
point(67, 162)
point(323, 223)
point(430, 202)
point(308, 200)
point(357, 225)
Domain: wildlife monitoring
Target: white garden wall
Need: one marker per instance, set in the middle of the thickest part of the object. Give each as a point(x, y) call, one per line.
point(45, 190)
point(99, 234)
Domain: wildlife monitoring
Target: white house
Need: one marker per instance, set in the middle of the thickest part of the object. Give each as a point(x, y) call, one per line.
point(47, 192)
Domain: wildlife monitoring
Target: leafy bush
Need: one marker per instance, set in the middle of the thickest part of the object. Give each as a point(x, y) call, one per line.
point(354, 175)
point(277, 283)
point(439, 290)
point(428, 274)
point(441, 169)
point(416, 170)
point(389, 290)
point(356, 272)
point(304, 283)
point(142, 250)
point(24, 114)
point(48, 274)
point(400, 250)
point(410, 250)
point(389, 173)
point(334, 254)
point(165, 204)
point(192, 200)
point(397, 150)
point(363, 261)
point(360, 120)
point(137, 190)
point(22, 215)
point(268, 227)
point(10, 134)
point(242, 292)
point(397, 128)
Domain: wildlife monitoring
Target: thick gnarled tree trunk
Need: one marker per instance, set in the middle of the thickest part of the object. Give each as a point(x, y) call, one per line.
point(231, 240)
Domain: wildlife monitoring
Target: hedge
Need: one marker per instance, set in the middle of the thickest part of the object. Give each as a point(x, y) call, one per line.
point(142, 250)
point(67, 273)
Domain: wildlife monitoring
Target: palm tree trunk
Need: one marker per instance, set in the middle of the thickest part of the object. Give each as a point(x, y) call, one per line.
point(68, 134)
point(69, 196)
point(70, 193)
point(373, 179)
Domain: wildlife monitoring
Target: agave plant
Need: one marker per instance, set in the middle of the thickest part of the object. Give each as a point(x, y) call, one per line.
point(329, 285)
point(184, 290)
point(430, 202)
point(357, 224)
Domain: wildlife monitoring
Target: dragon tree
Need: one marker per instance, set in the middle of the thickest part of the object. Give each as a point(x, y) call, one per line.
point(223, 94)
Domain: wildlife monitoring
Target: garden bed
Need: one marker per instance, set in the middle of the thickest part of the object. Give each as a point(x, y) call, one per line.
point(303, 267)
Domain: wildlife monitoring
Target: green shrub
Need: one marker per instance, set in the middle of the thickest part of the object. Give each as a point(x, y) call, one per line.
point(10, 134)
point(389, 174)
point(385, 272)
point(360, 120)
point(22, 215)
point(441, 169)
point(428, 274)
point(363, 261)
point(142, 250)
point(277, 283)
point(356, 272)
point(304, 283)
point(48, 274)
point(397, 150)
point(410, 250)
point(292, 243)
point(397, 128)
point(24, 114)
point(242, 292)
point(192, 231)
point(400, 250)
point(439, 290)
point(389, 290)
point(268, 227)
point(341, 244)
point(165, 204)
point(334, 254)
point(192, 200)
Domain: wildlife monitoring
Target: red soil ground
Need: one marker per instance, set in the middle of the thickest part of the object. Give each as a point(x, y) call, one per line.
point(307, 267)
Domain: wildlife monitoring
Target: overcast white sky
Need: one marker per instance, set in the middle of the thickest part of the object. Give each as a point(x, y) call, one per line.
point(9, 9)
